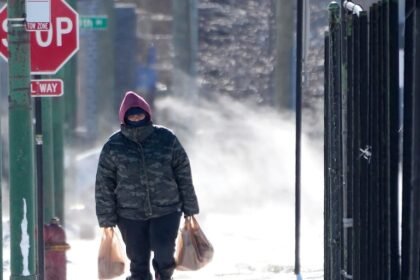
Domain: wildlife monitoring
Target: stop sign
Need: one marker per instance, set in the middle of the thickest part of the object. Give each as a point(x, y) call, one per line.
point(52, 48)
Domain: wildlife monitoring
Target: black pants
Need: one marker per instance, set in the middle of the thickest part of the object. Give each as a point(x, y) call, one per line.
point(143, 237)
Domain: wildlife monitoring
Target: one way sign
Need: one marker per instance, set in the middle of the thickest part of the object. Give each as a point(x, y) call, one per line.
point(46, 88)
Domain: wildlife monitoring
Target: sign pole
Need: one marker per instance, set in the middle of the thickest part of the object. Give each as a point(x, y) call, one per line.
point(1, 196)
point(58, 151)
point(22, 184)
point(299, 40)
point(40, 182)
point(47, 160)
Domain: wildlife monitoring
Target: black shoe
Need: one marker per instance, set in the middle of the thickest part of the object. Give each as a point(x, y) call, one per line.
point(163, 273)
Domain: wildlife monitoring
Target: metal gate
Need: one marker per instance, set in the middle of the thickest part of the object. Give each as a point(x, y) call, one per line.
point(363, 151)
point(410, 245)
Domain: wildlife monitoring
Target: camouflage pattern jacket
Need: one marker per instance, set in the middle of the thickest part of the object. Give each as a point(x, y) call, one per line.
point(143, 173)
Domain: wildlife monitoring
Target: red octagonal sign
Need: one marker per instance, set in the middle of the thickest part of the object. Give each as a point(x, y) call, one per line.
point(50, 49)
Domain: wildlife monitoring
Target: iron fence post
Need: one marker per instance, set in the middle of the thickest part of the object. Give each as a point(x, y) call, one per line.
point(334, 235)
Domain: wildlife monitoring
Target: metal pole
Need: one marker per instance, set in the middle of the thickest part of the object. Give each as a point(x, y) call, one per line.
point(346, 144)
point(383, 146)
point(374, 125)
point(2, 101)
point(1, 188)
point(414, 255)
point(364, 150)
point(58, 151)
point(409, 78)
point(352, 143)
point(106, 70)
point(334, 169)
point(299, 41)
point(40, 184)
point(125, 18)
point(379, 128)
point(185, 41)
point(48, 159)
point(45, 171)
point(89, 59)
point(3, 82)
point(354, 153)
point(327, 154)
point(70, 95)
point(22, 184)
point(394, 137)
point(284, 30)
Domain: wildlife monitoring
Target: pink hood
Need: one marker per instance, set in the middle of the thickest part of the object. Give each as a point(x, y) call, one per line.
point(132, 99)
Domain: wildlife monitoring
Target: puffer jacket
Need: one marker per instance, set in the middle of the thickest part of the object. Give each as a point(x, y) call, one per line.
point(143, 173)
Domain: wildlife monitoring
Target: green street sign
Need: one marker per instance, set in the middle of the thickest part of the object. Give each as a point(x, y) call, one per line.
point(93, 22)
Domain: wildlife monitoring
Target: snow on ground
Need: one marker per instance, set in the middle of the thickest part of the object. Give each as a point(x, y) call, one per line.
point(243, 166)
point(243, 169)
point(249, 246)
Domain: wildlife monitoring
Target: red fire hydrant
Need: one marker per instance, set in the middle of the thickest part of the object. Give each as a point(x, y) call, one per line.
point(55, 251)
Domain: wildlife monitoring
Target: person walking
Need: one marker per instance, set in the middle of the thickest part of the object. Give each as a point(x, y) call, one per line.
point(143, 186)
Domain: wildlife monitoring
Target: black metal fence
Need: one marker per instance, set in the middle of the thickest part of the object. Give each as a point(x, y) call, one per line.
point(410, 245)
point(363, 134)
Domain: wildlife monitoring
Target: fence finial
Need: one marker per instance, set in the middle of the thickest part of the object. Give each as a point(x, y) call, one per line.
point(334, 11)
point(333, 6)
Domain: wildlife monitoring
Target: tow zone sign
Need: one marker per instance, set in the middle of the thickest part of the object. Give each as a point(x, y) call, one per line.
point(46, 87)
point(38, 15)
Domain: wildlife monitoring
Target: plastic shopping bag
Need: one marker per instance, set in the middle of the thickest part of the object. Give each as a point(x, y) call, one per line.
point(194, 250)
point(111, 258)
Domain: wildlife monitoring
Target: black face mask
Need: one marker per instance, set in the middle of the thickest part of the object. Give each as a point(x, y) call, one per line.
point(143, 122)
point(134, 111)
